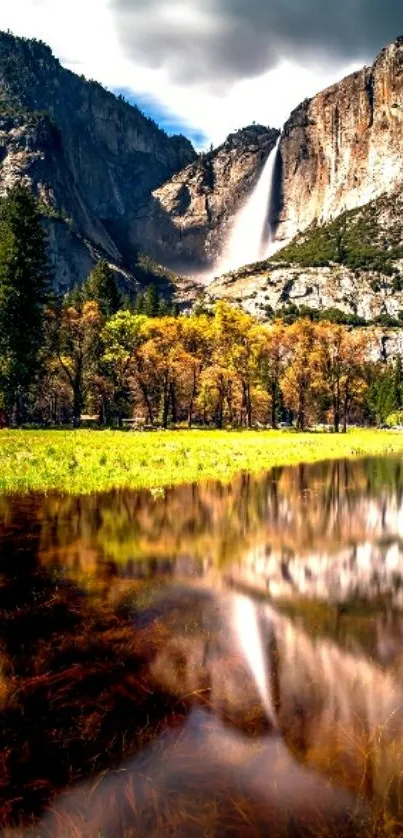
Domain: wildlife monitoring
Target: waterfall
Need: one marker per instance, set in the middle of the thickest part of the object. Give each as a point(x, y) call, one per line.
point(248, 240)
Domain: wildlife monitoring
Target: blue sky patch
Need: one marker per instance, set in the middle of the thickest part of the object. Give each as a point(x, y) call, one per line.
point(166, 119)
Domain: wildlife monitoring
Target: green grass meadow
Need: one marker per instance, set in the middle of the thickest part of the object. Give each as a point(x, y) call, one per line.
point(88, 461)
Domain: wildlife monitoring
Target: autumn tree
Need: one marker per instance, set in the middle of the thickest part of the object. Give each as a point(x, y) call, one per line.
point(237, 349)
point(75, 331)
point(271, 364)
point(225, 369)
point(339, 361)
point(123, 339)
point(329, 360)
point(297, 380)
point(217, 393)
point(354, 381)
point(165, 355)
point(197, 346)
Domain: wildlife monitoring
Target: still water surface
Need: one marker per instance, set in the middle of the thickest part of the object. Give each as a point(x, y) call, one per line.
point(206, 660)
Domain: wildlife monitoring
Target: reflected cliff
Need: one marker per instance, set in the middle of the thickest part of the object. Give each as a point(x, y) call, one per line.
point(207, 660)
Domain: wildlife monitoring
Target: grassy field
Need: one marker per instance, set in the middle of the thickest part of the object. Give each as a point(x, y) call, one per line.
point(88, 461)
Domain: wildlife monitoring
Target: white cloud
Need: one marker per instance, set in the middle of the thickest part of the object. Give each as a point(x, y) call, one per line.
point(82, 35)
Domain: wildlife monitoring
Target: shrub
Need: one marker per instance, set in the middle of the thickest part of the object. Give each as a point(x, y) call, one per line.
point(395, 418)
point(354, 239)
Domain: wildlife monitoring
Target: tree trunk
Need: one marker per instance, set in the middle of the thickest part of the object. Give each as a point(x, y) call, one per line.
point(247, 403)
point(173, 404)
point(15, 413)
point(336, 407)
point(77, 405)
point(147, 402)
point(143, 388)
point(54, 411)
point(220, 411)
point(103, 411)
point(230, 404)
point(345, 413)
point(165, 408)
point(336, 416)
point(77, 386)
point(274, 405)
point(192, 400)
point(301, 411)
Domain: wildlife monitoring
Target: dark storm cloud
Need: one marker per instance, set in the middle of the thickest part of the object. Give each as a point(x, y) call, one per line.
point(220, 41)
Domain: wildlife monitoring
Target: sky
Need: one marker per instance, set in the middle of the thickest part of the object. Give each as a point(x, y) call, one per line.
point(207, 67)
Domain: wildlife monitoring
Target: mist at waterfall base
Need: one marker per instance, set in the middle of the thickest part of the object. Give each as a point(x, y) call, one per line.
point(252, 235)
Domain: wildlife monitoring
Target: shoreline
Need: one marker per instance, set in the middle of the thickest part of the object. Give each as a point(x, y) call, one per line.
point(87, 461)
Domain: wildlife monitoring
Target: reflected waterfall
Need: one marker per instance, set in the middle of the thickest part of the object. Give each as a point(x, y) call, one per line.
point(249, 635)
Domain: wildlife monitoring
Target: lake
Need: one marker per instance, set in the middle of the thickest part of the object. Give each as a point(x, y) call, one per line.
point(206, 660)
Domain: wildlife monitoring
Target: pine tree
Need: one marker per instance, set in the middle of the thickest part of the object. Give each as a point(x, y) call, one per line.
point(151, 301)
point(164, 308)
point(24, 288)
point(139, 303)
point(397, 382)
point(100, 287)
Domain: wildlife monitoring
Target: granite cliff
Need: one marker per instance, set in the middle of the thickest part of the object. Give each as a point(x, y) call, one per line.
point(91, 158)
point(343, 148)
point(189, 217)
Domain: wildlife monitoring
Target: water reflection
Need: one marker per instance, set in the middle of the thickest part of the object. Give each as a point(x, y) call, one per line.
point(208, 661)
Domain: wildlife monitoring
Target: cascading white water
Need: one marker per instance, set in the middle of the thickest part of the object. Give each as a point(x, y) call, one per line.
point(248, 632)
point(248, 240)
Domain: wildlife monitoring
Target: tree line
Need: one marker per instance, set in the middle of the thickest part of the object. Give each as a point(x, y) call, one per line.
point(93, 353)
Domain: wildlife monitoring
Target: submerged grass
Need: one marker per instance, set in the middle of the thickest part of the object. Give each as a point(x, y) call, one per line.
point(86, 461)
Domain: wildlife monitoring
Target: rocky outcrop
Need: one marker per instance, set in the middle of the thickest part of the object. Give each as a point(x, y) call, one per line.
point(31, 152)
point(344, 147)
point(189, 218)
point(92, 158)
point(273, 289)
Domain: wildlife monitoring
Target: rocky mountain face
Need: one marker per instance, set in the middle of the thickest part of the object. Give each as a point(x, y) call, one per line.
point(262, 291)
point(92, 158)
point(343, 148)
point(338, 151)
point(111, 182)
point(339, 204)
point(189, 217)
